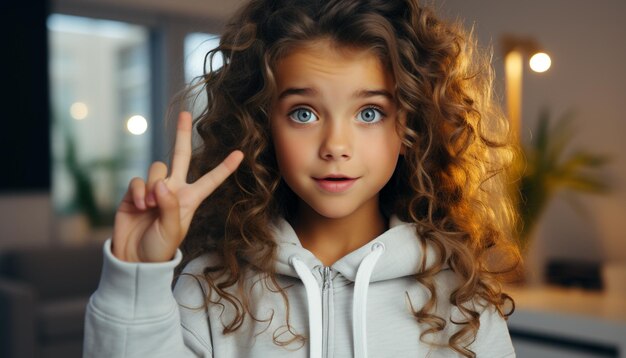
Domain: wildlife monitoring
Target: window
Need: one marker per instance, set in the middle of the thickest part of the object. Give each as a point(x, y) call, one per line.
point(197, 45)
point(101, 102)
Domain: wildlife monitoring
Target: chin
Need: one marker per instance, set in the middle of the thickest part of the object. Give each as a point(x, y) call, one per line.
point(333, 211)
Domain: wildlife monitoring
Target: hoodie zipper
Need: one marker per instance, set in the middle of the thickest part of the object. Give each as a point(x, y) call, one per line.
point(326, 283)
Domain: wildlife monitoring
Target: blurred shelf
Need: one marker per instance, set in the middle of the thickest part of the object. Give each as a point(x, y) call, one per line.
point(570, 319)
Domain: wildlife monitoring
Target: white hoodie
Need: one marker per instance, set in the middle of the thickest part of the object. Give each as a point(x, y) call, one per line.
point(358, 307)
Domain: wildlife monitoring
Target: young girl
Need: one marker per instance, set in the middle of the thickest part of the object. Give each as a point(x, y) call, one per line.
point(366, 213)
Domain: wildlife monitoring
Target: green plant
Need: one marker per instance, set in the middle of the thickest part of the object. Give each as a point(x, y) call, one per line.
point(84, 200)
point(549, 166)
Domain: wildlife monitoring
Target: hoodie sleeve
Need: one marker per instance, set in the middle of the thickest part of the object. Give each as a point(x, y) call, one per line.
point(134, 313)
point(493, 339)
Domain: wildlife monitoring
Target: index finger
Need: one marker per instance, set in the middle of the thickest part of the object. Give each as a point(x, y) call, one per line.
point(211, 180)
point(182, 147)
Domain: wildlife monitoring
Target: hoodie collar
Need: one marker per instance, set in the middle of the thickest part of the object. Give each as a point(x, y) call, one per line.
point(403, 253)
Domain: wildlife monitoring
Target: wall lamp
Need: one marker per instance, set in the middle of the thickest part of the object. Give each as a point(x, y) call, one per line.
point(516, 50)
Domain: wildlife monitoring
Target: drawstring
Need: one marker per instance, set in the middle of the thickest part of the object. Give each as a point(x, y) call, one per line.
point(359, 312)
point(314, 298)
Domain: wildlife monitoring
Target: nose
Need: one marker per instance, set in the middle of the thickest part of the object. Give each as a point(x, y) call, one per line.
point(336, 142)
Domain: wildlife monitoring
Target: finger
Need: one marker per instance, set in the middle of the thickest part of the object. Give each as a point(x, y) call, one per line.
point(157, 171)
point(182, 147)
point(169, 213)
point(137, 191)
point(211, 180)
point(135, 195)
point(133, 199)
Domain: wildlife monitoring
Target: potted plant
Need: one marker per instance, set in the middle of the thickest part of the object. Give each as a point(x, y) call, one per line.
point(550, 166)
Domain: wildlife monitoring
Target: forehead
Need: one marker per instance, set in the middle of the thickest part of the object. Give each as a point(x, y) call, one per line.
point(322, 61)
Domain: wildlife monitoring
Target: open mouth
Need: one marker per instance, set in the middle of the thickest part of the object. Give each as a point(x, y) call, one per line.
point(335, 177)
point(335, 184)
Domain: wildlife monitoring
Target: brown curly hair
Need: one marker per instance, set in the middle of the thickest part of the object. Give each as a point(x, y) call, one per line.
point(451, 180)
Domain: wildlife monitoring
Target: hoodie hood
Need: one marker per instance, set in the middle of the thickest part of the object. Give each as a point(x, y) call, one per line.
point(402, 255)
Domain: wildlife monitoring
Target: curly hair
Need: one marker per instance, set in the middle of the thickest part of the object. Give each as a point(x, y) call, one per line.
point(451, 181)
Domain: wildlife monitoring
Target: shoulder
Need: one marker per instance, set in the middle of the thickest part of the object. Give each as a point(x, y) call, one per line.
point(191, 284)
point(198, 264)
point(447, 281)
point(492, 337)
point(192, 294)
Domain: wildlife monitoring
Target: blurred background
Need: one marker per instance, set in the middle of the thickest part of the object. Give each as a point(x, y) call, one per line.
point(87, 90)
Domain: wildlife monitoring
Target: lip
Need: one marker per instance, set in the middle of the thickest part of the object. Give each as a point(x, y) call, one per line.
point(335, 186)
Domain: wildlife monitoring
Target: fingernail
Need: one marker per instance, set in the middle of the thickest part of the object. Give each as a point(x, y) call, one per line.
point(150, 199)
point(140, 203)
point(161, 188)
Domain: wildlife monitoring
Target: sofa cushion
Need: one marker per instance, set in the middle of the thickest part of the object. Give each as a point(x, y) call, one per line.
point(56, 272)
point(57, 320)
point(62, 349)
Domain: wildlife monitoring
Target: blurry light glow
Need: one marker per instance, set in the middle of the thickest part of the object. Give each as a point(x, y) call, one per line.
point(137, 125)
point(79, 111)
point(540, 62)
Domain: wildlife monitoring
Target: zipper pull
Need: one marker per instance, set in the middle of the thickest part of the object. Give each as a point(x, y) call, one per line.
point(327, 278)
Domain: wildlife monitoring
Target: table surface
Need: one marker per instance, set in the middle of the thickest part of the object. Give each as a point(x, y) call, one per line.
point(593, 317)
point(571, 301)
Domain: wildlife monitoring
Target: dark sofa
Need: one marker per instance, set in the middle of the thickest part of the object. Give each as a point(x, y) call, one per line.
point(43, 295)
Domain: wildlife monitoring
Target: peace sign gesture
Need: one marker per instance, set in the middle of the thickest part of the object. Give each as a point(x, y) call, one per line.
point(154, 216)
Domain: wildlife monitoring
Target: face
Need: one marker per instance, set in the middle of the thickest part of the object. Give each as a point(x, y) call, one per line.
point(333, 125)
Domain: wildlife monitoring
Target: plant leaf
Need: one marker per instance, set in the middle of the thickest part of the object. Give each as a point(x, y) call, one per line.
point(560, 136)
point(580, 182)
point(548, 168)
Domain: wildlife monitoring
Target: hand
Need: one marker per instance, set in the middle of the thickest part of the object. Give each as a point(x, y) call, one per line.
point(154, 217)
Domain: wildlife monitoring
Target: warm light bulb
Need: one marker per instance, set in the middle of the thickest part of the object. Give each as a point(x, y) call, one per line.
point(540, 62)
point(137, 125)
point(79, 111)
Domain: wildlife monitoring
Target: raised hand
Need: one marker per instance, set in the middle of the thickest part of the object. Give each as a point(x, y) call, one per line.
point(154, 216)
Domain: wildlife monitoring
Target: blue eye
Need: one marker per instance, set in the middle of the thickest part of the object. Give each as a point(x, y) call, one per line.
point(303, 115)
point(371, 115)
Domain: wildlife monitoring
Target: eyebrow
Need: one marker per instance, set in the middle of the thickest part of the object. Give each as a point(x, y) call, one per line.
point(297, 92)
point(373, 93)
point(363, 93)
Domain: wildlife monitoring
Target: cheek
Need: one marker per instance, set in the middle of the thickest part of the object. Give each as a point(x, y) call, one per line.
point(289, 153)
point(383, 150)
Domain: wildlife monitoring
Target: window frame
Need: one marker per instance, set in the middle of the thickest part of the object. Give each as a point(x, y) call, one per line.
point(167, 34)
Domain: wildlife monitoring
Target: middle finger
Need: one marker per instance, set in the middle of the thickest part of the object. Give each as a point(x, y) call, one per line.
point(157, 171)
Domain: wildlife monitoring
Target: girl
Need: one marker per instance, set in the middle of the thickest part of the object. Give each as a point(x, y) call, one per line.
point(366, 213)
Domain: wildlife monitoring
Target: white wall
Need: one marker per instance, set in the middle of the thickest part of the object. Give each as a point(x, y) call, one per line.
point(587, 43)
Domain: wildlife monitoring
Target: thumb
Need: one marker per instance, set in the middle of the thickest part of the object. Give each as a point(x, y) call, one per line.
point(169, 212)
